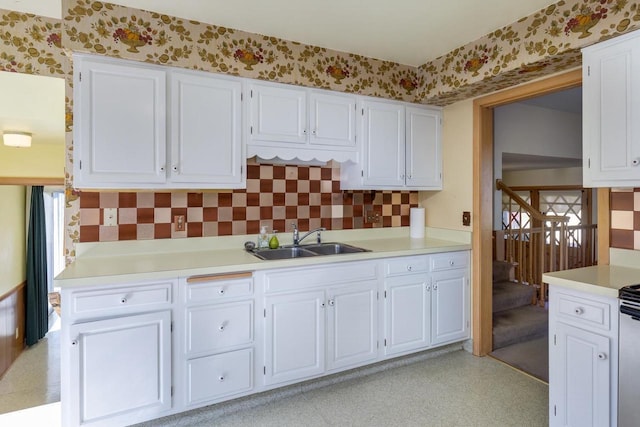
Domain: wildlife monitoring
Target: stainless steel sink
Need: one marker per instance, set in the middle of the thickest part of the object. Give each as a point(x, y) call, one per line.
point(334, 249)
point(290, 252)
point(283, 253)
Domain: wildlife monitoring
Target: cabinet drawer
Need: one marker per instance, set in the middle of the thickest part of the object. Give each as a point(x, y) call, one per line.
point(406, 265)
point(583, 311)
point(449, 260)
point(213, 377)
point(216, 327)
point(212, 288)
point(122, 299)
point(311, 277)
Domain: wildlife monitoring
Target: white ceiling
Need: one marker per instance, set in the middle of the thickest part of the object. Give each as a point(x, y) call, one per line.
point(33, 104)
point(409, 32)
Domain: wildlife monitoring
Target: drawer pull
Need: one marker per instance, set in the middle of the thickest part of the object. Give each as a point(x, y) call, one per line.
point(579, 311)
point(428, 288)
point(74, 342)
point(435, 287)
point(222, 326)
point(602, 356)
point(409, 268)
point(451, 262)
point(221, 291)
point(221, 378)
point(123, 301)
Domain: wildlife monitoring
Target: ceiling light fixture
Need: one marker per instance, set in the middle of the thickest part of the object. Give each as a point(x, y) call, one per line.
point(16, 139)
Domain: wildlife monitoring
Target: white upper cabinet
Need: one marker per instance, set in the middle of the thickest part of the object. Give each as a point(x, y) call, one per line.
point(146, 126)
point(401, 148)
point(205, 129)
point(611, 105)
point(332, 120)
point(423, 161)
point(292, 122)
point(383, 126)
point(120, 124)
point(278, 114)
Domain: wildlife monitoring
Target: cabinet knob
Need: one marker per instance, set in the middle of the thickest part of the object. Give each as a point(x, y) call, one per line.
point(602, 356)
point(635, 162)
point(435, 287)
point(175, 168)
point(428, 287)
point(332, 302)
point(578, 310)
point(304, 131)
point(222, 326)
point(322, 304)
point(161, 168)
point(451, 262)
point(409, 268)
point(314, 132)
point(74, 342)
point(123, 301)
point(409, 176)
point(221, 291)
point(221, 378)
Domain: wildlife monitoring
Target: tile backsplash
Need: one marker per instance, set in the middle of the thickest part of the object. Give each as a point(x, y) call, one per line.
point(625, 218)
point(275, 196)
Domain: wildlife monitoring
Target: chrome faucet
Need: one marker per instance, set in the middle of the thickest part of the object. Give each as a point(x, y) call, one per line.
point(296, 234)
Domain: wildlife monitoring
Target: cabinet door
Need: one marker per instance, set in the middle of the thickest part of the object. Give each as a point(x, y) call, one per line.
point(579, 377)
point(121, 369)
point(332, 120)
point(423, 149)
point(278, 114)
point(449, 306)
point(407, 313)
point(352, 324)
point(294, 336)
point(383, 132)
point(205, 130)
point(120, 124)
point(611, 105)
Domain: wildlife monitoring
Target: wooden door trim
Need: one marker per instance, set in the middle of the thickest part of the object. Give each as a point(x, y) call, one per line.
point(483, 185)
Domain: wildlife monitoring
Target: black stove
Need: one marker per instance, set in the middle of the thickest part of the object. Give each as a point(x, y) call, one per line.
point(630, 293)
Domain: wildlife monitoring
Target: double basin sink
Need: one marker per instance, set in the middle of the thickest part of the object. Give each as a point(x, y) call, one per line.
point(320, 249)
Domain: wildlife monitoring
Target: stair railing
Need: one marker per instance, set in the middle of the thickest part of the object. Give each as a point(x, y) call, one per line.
point(540, 248)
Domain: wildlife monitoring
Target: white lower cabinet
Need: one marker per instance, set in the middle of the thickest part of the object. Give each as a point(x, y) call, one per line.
point(134, 352)
point(426, 301)
point(583, 359)
point(352, 318)
point(319, 319)
point(407, 313)
point(217, 345)
point(116, 370)
point(294, 336)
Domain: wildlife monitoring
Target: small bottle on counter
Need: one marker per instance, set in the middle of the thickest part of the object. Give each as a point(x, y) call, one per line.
point(263, 238)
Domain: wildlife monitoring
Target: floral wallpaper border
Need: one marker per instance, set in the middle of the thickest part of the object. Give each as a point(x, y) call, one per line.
point(543, 43)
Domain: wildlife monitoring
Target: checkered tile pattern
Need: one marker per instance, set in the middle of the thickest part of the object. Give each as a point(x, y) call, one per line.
point(625, 218)
point(275, 196)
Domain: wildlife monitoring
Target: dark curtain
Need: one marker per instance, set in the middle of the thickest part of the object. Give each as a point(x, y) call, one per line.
point(37, 310)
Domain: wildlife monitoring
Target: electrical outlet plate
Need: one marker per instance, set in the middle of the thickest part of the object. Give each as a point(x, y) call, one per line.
point(110, 217)
point(178, 222)
point(466, 218)
point(372, 217)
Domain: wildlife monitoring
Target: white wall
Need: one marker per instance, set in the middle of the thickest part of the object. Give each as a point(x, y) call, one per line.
point(443, 209)
point(526, 129)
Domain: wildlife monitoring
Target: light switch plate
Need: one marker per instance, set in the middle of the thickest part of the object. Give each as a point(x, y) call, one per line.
point(110, 217)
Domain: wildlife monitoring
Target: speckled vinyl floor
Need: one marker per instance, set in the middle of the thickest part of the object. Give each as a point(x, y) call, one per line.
point(455, 389)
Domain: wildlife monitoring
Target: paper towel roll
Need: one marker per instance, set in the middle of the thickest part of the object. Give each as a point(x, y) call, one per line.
point(416, 223)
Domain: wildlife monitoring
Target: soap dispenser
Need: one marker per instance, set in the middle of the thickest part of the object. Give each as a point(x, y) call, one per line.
point(263, 238)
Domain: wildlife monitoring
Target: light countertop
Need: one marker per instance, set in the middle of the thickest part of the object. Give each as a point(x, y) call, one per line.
point(603, 280)
point(121, 262)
